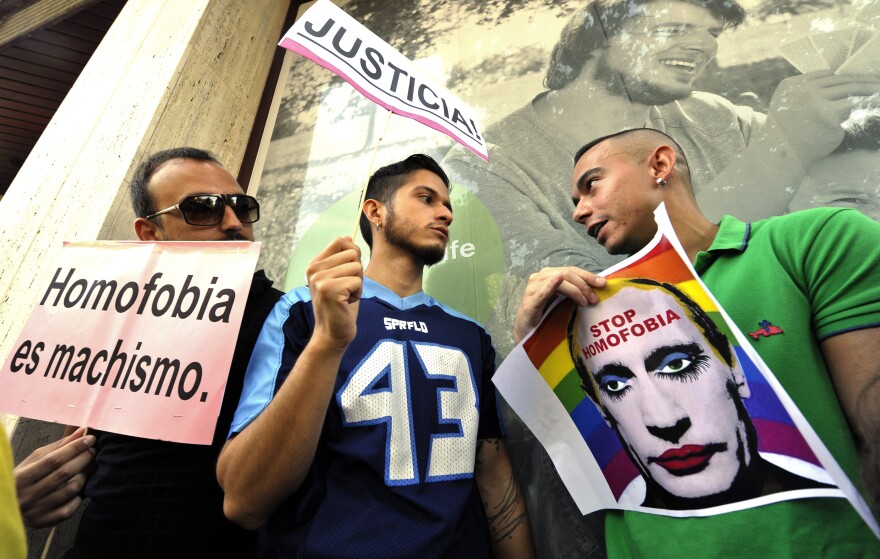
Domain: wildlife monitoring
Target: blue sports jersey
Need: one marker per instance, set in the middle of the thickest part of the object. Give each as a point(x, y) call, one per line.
point(393, 472)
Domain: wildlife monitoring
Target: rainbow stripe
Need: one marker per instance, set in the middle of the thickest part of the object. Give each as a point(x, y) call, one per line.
point(548, 351)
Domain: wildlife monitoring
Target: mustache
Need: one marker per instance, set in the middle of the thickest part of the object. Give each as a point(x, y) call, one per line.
point(234, 236)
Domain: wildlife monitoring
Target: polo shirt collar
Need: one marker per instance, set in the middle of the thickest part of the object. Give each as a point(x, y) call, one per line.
point(733, 234)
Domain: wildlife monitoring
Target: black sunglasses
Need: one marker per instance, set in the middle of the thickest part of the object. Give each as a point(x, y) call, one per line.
point(208, 209)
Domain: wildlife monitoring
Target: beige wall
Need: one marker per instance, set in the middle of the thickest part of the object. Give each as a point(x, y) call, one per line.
point(178, 72)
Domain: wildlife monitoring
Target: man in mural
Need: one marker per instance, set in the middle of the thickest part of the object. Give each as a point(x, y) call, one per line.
point(151, 498)
point(368, 426)
point(812, 273)
point(673, 392)
point(624, 64)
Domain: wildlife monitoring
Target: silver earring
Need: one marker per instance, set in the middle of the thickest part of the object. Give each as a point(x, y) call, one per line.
point(378, 226)
point(661, 182)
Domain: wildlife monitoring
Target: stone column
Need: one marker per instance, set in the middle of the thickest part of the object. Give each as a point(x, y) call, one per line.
point(168, 73)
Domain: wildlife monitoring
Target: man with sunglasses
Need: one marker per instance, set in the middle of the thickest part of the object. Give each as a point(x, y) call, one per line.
point(153, 498)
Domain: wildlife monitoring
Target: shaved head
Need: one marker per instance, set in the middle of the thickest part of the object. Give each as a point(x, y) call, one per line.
point(638, 144)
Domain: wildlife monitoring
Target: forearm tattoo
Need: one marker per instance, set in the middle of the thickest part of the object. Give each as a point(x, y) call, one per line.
point(504, 522)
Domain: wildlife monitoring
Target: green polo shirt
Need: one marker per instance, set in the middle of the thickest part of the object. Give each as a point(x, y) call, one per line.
point(814, 274)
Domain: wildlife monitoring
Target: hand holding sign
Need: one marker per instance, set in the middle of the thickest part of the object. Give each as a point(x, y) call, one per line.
point(571, 282)
point(49, 481)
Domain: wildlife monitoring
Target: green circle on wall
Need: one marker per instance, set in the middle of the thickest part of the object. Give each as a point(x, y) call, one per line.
point(467, 279)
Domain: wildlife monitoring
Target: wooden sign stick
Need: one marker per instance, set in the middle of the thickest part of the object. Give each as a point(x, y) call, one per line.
point(360, 205)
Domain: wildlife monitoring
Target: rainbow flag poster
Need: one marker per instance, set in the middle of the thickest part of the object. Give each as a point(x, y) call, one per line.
point(653, 400)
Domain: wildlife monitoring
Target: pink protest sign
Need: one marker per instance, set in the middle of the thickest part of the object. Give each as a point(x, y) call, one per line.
point(330, 37)
point(132, 337)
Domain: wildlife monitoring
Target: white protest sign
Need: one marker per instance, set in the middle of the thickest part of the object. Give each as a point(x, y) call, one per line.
point(133, 337)
point(328, 36)
point(626, 426)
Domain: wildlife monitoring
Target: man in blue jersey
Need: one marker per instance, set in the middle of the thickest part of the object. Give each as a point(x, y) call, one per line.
point(813, 274)
point(367, 426)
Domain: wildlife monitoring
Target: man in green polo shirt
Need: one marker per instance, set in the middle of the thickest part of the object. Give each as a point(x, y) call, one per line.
point(806, 285)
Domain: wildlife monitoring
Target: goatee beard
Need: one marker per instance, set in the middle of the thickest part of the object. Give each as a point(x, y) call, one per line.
point(399, 236)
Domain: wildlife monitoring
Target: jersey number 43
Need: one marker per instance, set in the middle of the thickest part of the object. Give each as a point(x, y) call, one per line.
point(363, 402)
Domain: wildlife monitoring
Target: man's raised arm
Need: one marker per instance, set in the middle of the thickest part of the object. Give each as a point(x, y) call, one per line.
point(267, 461)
